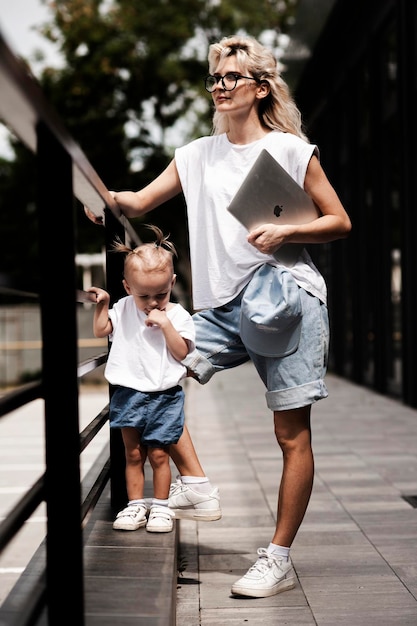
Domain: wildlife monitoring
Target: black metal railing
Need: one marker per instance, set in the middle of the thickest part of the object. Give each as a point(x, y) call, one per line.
point(64, 173)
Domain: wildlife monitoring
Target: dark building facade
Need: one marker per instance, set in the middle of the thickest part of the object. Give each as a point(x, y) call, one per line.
point(357, 93)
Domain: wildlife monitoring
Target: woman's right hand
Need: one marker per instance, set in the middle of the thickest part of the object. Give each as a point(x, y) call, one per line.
point(96, 219)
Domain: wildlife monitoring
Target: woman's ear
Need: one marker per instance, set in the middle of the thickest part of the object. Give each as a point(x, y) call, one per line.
point(263, 90)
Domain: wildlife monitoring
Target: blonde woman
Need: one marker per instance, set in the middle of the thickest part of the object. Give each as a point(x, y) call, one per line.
point(231, 272)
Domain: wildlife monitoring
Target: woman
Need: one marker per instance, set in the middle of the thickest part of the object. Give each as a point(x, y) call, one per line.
point(253, 111)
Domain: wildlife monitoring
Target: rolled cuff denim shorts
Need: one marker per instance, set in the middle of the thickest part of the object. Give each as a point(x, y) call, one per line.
point(292, 381)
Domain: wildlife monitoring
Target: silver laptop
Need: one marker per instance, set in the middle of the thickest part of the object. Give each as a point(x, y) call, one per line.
point(269, 195)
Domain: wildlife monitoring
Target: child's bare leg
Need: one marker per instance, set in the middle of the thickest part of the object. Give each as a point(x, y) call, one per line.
point(160, 515)
point(135, 455)
point(133, 516)
point(159, 460)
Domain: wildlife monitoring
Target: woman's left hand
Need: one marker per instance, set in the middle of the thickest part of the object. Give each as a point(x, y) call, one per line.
point(269, 237)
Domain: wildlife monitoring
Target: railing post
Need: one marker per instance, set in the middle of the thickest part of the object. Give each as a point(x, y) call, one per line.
point(114, 276)
point(60, 384)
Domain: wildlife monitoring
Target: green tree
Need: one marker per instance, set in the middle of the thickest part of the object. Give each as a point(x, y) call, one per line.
point(131, 87)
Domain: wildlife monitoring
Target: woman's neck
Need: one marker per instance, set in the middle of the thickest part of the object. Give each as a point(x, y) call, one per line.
point(242, 134)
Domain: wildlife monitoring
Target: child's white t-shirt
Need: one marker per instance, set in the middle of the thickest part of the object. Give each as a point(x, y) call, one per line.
point(139, 357)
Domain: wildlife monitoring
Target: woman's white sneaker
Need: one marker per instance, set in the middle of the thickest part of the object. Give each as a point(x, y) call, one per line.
point(131, 517)
point(190, 504)
point(268, 576)
point(160, 520)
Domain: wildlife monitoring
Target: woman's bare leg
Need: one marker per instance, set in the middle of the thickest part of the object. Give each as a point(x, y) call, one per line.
point(185, 457)
point(273, 571)
point(293, 433)
point(193, 497)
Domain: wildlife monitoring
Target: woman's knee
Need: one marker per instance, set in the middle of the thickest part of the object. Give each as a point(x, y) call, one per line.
point(292, 428)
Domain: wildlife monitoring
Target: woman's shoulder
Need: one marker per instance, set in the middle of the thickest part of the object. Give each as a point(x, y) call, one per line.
point(201, 145)
point(281, 138)
point(290, 146)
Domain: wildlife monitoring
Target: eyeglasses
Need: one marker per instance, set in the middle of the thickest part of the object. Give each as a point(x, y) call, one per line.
point(229, 81)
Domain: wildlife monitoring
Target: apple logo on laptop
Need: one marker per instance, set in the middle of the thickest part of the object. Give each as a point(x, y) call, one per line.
point(278, 210)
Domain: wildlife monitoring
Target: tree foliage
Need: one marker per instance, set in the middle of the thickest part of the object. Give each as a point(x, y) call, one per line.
point(131, 86)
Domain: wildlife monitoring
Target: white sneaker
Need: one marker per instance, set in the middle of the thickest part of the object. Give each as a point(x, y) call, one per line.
point(160, 520)
point(189, 504)
point(131, 518)
point(268, 576)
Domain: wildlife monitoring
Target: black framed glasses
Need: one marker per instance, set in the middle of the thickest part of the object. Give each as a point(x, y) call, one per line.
point(229, 81)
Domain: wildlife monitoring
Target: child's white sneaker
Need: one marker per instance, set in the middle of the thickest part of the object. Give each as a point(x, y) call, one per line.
point(131, 517)
point(160, 520)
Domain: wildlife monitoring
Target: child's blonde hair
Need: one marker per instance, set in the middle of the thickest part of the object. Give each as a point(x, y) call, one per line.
point(155, 256)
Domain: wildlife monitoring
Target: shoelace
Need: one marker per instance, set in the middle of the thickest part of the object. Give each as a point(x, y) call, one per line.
point(264, 562)
point(176, 487)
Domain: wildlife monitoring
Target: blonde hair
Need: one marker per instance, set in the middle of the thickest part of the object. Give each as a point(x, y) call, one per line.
point(277, 110)
point(156, 256)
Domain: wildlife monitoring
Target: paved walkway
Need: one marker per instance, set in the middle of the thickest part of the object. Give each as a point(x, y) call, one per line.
point(356, 553)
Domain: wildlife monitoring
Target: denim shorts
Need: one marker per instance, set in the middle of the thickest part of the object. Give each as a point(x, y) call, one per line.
point(292, 381)
point(158, 416)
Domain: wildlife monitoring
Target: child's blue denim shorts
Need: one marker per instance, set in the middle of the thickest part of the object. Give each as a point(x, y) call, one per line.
point(291, 381)
point(158, 416)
